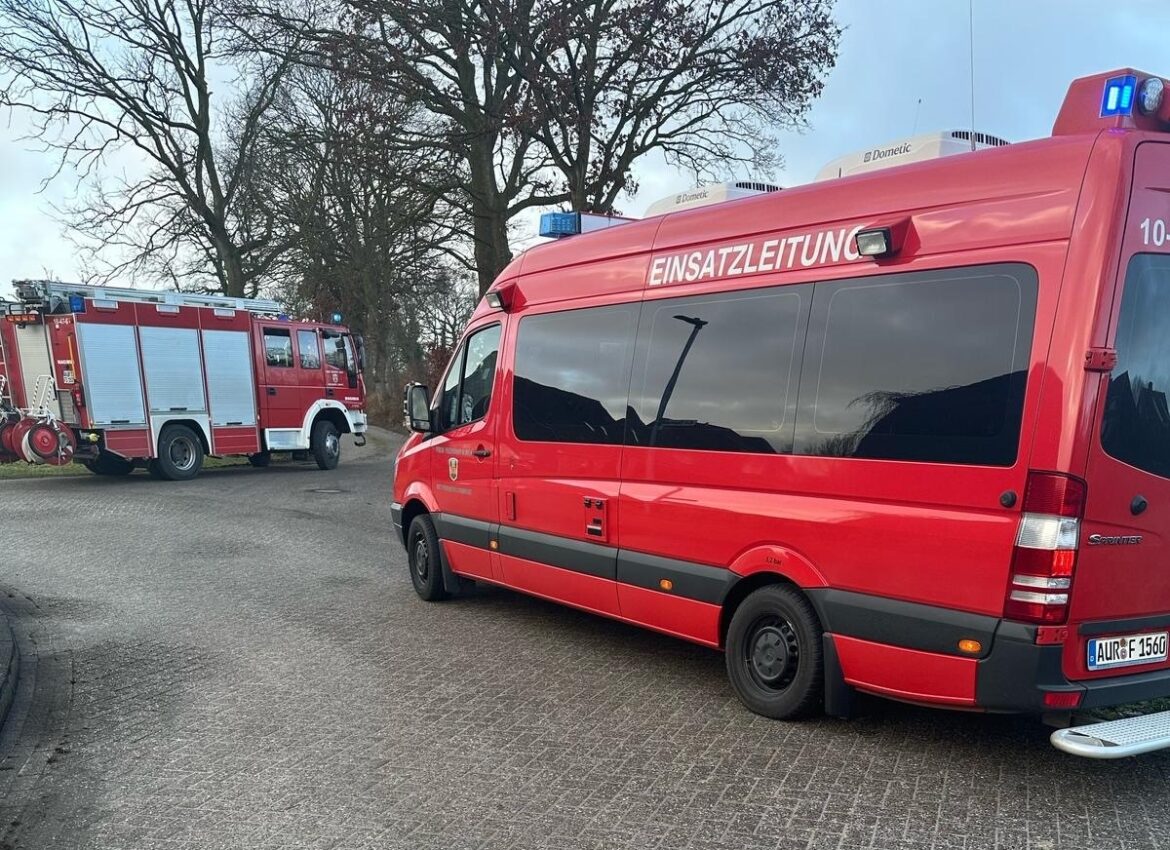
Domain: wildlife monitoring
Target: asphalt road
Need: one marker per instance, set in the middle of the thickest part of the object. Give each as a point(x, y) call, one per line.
point(240, 662)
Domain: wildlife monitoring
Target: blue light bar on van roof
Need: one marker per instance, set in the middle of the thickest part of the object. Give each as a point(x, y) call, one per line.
point(558, 224)
point(1118, 96)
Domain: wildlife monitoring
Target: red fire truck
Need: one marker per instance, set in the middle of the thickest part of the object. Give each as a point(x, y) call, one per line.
point(114, 378)
point(904, 432)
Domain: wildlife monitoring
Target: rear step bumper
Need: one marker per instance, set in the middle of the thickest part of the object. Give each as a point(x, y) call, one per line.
point(1116, 739)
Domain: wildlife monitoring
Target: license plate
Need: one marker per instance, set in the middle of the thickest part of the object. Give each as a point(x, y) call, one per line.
point(1128, 650)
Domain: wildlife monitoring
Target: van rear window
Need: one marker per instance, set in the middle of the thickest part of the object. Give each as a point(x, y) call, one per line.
point(928, 366)
point(1136, 425)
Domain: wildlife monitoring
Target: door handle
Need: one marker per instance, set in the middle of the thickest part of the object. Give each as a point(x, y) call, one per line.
point(594, 528)
point(272, 390)
point(482, 452)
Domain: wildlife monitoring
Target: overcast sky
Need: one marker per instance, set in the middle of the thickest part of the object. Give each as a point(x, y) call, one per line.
point(893, 54)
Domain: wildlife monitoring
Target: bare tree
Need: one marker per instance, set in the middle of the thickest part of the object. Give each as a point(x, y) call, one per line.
point(109, 76)
point(706, 82)
point(554, 101)
point(367, 230)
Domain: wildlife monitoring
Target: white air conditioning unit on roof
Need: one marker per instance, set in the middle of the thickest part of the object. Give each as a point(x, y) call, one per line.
point(912, 149)
point(715, 193)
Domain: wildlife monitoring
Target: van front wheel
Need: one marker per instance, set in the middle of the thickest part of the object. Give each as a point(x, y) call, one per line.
point(422, 553)
point(774, 654)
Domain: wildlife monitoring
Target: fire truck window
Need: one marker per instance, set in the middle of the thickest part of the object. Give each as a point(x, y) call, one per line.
point(717, 372)
point(310, 353)
point(1136, 426)
point(573, 375)
point(335, 350)
point(930, 366)
point(467, 390)
point(278, 347)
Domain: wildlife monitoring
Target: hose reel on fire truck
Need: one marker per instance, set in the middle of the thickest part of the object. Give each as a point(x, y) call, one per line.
point(33, 434)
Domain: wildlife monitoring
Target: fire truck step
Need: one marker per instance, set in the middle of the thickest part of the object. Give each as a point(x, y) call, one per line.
point(1116, 739)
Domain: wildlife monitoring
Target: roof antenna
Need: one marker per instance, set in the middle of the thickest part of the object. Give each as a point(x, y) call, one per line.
point(971, 36)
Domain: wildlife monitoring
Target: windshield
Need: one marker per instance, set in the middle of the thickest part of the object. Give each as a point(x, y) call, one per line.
point(1136, 426)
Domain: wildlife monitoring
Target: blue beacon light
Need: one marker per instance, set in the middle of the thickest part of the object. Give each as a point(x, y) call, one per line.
point(1118, 96)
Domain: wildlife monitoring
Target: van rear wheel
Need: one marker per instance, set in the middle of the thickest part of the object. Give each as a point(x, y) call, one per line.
point(774, 654)
point(425, 560)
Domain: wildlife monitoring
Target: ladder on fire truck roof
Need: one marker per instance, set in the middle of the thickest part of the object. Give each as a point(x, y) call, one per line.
point(37, 291)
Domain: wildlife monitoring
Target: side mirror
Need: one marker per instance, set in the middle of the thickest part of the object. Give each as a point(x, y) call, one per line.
point(417, 408)
point(359, 344)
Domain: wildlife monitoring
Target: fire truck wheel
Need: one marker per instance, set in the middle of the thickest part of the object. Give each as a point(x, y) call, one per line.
point(109, 464)
point(325, 443)
point(180, 454)
point(422, 551)
point(260, 459)
point(774, 653)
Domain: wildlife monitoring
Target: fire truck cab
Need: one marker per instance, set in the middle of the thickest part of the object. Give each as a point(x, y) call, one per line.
point(904, 432)
point(114, 378)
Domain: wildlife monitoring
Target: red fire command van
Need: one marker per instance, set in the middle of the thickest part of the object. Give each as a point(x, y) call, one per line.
point(904, 433)
point(116, 377)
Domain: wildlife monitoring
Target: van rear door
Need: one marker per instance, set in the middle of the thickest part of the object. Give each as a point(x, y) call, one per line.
point(1120, 606)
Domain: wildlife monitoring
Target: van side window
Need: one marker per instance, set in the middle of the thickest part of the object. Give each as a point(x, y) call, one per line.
point(573, 375)
point(719, 372)
point(929, 366)
point(1136, 425)
point(467, 391)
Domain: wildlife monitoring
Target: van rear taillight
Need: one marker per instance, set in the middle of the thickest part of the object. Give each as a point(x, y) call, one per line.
point(1045, 555)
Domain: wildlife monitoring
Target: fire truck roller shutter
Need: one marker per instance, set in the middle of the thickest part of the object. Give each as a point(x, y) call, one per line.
point(36, 366)
point(113, 384)
point(230, 385)
point(174, 377)
point(174, 381)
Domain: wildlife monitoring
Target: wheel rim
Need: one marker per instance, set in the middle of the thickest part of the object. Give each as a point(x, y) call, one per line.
point(772, 653)
point(332, 445)
point(422, 558)
point(182, 454)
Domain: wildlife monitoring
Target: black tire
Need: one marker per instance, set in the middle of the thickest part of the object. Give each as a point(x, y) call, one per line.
point(425, 560)
point(325, 444)
point(775, 655)
point(180, 454)
point(260, 459)
point(107, 463)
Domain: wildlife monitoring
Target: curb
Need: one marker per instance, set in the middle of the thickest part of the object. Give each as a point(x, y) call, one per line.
point(9, 666)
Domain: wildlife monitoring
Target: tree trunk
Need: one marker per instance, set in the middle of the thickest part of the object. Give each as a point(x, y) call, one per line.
point(489, 215)
point(233, 269)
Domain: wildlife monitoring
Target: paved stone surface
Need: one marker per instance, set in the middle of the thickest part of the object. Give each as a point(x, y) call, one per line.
point(240, 662)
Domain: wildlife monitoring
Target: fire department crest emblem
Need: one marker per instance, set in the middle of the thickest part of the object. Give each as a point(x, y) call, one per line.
point(453, 468)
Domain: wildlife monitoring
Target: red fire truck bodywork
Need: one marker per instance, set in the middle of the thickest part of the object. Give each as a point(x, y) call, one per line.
point(129, 367)
point(963, 584)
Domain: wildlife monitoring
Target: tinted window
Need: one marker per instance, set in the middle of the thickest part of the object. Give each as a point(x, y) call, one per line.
point(467, 391)
point(573, 375)
point(310, 353)
point(928, 366)
point(277, 347)
point(1136, 427)
point(718, 372)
